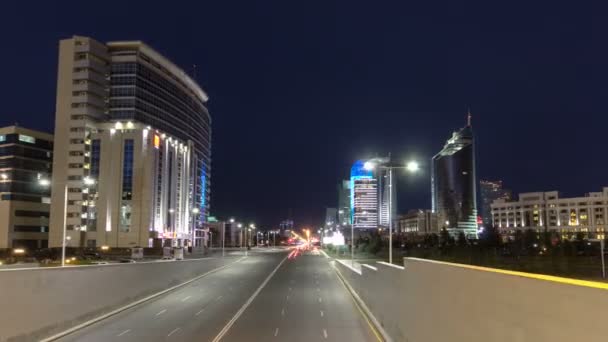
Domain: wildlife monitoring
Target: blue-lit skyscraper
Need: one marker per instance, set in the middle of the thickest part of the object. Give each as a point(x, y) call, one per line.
point(363, 197)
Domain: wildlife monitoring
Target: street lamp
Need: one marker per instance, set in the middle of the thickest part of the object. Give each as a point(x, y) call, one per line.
point(411, 166)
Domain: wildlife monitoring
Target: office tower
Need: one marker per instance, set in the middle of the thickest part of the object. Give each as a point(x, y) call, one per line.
point(344, 203)
point(489, 192)
point(331, 216)
point(364, 197)
point(132, 158)
point(25, 173)
point(454, 183)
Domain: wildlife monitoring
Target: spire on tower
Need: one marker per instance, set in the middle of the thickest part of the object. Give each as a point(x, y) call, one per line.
point(469, 116)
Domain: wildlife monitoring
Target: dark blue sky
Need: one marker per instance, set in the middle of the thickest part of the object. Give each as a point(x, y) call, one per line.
point(298, 91)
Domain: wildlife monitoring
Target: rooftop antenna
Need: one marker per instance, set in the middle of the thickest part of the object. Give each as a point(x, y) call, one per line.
point(469, 116)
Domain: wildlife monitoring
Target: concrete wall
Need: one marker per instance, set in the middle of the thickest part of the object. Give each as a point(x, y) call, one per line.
point(434, 301)
point(39, 303)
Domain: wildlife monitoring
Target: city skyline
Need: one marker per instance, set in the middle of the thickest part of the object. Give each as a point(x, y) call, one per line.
point(393, 101)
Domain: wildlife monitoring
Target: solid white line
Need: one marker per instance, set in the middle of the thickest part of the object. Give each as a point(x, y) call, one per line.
point(247, 303)
point(322, 313)
point(276, 332)
point(219, 298)
point(287, 299)
point(185, 299)
point(128, 306)
point(124, 332)
point(198, 313)
point(327, 256)
point(173, 331)
point(320, 299)
point(161, 312)
point(325, 333)
point(283, 312)
point(290, 289)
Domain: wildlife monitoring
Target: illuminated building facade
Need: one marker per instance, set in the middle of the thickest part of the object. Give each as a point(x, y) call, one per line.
point(25, 171)
point(541, 211)
point(453, 183)
point(364, 197)
point(490, 191)
point(344, 203)
point(133, 154)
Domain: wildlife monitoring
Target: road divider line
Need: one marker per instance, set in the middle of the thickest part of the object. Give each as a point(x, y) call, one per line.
point(161, 312)
point(186, 298)
point(276, 332)
point(128, 306)
point(322, 314)
point(173, 331)
point(325, 333)
point(247, 303)
point(198, 313)
point(283, 312)
point(219, 298)
point(124, 332)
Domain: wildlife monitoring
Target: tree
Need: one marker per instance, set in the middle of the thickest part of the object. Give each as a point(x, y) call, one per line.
point(444, 237)
point(462, 239)
point(490, 237)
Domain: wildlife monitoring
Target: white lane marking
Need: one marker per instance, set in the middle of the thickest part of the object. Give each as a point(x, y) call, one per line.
point(219, 298)
point(247, 303)
point(287, 299)
point(124, 332)
point(290, 289)
point(325, 333)
point(276, 332)
point(283, 312)
point(320, 299)
point(322, 314)
point(130, 305)
point(186, 298)
point(161, 312)
point(198, 313)
point(173, 331)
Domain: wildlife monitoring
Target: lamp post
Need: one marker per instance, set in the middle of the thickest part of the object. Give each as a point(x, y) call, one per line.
point(412, 167)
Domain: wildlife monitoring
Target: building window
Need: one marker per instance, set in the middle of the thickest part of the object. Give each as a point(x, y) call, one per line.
point(2, 138)
point(27, 139)
point(127, 185)
point(95, 157)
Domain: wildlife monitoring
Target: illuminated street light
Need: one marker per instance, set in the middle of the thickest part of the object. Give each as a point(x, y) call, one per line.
point(412, 166)
point(232, 220)
point(19, 251)
point(369, 166)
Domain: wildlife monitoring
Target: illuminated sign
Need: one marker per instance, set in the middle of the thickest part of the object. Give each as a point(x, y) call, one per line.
point(156, 141)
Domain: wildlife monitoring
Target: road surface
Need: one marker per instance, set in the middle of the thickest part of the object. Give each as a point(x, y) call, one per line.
point(263, 297)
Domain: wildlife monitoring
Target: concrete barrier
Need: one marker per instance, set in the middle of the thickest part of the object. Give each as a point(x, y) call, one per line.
point(435, 301)
point(37, 303)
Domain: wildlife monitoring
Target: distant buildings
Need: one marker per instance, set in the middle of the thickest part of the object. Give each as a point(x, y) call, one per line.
point(547, 211)
point(285, 228)
point(417, 222)
point(490, 191)
point(453, 183)
point(132, 148)
point(25, 193)
point(344, 203)
point(331, 216)
point(364, 197)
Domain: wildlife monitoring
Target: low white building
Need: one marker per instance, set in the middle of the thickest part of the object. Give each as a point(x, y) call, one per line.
point(546, 210)
point(417, 222)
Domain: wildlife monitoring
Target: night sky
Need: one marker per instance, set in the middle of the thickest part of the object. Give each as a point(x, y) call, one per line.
point(298, 91)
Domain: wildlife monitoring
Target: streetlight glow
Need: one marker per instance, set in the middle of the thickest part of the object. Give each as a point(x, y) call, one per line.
point(232, 220)
point(369, 166)
point(44, 182)
point(412, 166)
point(4, 176)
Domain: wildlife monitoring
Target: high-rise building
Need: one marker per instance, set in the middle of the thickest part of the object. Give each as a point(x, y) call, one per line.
point(344, 203)
point(489, 192)
point(331, 216)
point(454, 181)
point(364, 197)
point(25, 195)
point(565, 216)
point(132, 148)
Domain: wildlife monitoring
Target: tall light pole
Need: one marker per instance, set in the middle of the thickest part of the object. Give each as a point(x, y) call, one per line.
point(412, 167)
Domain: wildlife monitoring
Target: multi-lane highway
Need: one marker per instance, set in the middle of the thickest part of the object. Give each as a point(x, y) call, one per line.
point(265, 296)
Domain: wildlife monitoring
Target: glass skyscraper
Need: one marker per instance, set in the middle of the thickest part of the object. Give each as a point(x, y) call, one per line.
point(454, 183)
point(363, 197)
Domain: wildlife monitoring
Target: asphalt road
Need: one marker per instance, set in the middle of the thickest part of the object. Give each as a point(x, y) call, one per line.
point(303, 301)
